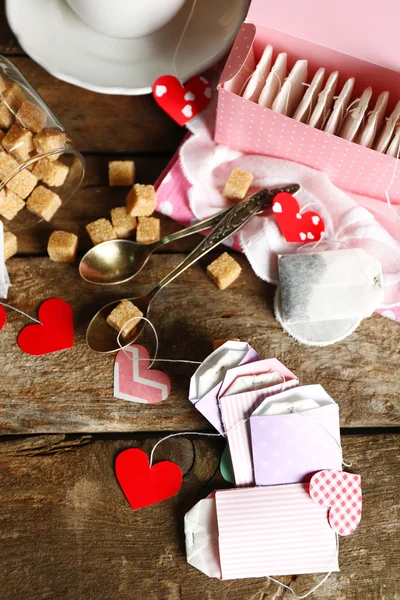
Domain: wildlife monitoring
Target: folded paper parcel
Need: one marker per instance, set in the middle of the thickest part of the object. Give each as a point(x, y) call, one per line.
point(304, 438)
point(207, 379)
point(260, 531)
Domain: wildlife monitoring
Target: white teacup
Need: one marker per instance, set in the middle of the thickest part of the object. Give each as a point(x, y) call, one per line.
point(126, 18)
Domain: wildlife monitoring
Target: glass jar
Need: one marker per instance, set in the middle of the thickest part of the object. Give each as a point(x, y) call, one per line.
point(39, 167)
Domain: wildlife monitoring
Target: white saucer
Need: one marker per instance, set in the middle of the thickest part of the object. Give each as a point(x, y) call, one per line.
point(56, 38)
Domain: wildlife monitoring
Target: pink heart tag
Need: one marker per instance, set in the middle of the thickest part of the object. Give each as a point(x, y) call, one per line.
point(340, 491)
point(134, 381)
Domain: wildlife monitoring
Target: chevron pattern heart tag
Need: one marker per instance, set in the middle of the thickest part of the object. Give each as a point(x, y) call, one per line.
point(134, 381)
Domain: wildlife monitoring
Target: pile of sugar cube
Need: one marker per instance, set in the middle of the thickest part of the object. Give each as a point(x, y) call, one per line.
point(23, 137)
point(223, 271)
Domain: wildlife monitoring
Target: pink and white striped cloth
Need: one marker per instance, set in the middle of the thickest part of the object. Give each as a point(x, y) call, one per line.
point(273, 530)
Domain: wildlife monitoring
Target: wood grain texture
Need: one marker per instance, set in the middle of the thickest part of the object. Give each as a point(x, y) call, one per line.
point(67, 532)
point(72, 391)
point(102, 122)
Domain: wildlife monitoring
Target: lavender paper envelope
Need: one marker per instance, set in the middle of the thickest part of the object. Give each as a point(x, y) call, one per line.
point(290, 448)
point(206, 381)
point(242, 391)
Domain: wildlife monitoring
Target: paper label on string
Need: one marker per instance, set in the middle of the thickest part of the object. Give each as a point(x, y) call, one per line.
point(134, 381)
point(182, 103)
point(296, 226)
point(341, 492)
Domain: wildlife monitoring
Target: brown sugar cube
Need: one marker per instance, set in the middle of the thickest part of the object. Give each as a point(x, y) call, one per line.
point(124, 225)
point(3, 84)
point(124, 318)
point(43, 202)
point(223, 271)
point(6, 116)
point(101, 231)
point(121, 172)
point(10, 245)
point(23, 182)
point(48, 140)
point(237, 185)
point(62, 246)
point(18, 142)
point(10, 204)
point(141, 200)
point(148, 230)
point(14, 95)
point(218, 343)
point(2, 134)
point(52, 172)
point(31, 116)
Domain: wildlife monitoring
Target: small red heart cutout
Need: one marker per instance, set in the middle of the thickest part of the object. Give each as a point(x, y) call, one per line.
point(182, 103)
point(3, 317)
point(144, 485)
point(340, 491)
point(294, 225)
point(55, 331)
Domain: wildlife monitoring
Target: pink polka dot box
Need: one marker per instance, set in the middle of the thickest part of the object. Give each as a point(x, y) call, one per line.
point(302, 82)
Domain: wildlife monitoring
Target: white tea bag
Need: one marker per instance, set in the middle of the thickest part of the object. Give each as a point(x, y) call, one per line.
point(388, 129)
point(339, 109)
point(354, 119)
point(394, 145)
point(309, 100)
point(324, 286)
point(374, 121)
point(274, 81)
point(257, 81)
point(292, 90)
point(324, 104)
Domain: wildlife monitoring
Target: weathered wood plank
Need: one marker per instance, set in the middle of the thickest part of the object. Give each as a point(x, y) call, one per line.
point(67, 531)
point(95, 200)
point(101, 122)
point(72, 391)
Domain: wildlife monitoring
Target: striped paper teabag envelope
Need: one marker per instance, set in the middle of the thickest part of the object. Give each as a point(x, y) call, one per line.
point(274, 530)
point(236, 409)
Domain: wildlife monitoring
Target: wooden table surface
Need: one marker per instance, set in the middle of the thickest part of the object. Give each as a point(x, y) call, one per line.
point(67, 532)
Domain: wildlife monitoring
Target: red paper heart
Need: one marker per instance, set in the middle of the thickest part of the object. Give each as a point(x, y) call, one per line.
point(340, 491)
point(3, 317)
point(296, 226)
point(182, 103)
point(56, 331)
point(144, 485)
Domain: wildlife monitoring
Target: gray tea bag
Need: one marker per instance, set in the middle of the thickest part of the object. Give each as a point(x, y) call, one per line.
point(332, 285)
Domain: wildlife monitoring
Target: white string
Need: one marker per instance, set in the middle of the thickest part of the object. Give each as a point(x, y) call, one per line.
point(314, 589)
point(390, 185)
point(21, 312)
point(181, 39)
point(171, 435)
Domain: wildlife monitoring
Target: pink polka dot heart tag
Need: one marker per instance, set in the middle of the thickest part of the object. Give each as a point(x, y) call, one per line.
point(182, 103)
point(342, 493)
